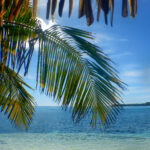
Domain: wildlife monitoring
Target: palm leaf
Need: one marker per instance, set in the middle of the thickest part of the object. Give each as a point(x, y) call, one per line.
point(86, 85)
point(34, 8)
point(14, 38)
point(70, 7)
point(11, 9)
point(85, 8)
point(61, 6)
point(48, 9)
point(15, 101)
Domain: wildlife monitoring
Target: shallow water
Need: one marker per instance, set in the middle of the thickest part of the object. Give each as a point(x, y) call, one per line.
point(53, 129)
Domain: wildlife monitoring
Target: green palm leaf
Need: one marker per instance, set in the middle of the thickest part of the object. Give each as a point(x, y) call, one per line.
point(17, 43)
point(15, 101)
point(86, 85)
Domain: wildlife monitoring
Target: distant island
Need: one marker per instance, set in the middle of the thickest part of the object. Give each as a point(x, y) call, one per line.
point(141, 104)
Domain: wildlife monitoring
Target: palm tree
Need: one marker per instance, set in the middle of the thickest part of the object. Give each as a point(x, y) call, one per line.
point(75, 72)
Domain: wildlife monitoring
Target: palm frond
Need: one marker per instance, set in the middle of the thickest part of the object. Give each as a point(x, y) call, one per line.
point(11, 9)
point(85, 9)
point(48, 9)
point(61, 6)
point(70, 7)
point(15, 38)
point(86, 85)
point(15, 101)
point(34, 8)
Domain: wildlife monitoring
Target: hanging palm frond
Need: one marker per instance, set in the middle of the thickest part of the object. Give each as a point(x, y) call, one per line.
point(85, 8)
point(15, 38)
point(34, 8)
point(85, 85)
point(15, 101)
point(13, 8)
point(70, 7)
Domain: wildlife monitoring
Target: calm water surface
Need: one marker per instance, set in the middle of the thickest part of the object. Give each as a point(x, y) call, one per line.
point(53, 129)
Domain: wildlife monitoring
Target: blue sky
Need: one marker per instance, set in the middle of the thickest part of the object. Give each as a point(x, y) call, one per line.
point(127, 43)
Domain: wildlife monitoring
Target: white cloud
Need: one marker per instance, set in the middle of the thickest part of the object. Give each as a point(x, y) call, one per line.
point(134, 73)
point(109, 52)
point(120, 55)
point(44, 25)
point(103, 37)
point(139, 89)
point(108, 37)
point(146, 73)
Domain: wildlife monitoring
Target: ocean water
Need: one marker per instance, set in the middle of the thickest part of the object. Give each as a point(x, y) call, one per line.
point(53, 129)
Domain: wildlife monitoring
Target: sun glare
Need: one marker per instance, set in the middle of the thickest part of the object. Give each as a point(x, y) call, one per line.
point(45, 25)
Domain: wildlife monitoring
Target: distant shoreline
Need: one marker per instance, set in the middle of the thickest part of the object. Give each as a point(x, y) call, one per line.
point(141, 104)
point(132, 104)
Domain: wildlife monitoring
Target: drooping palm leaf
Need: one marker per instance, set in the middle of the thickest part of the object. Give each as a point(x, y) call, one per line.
point(85, 8)
point(15, 38)
point(34, 8)
point(15, 9)
point(77, 74)
point(15, 101)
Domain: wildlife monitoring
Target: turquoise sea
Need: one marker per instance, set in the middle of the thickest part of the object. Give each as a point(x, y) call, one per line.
point(53, 129)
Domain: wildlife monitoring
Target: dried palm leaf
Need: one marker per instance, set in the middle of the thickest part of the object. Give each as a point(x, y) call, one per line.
point(54, 5)
point(26, 5)
point(89, 13)
point(11, 14)
point(18, 8)
point(6, 5)
point(61, 6)
point(124, 8)
point(70, 7)
point(48, 9)
point(98, 9)
point(133, 8)
point(1, 7)
point(1, 14)
point(112, 12)
point(85, 9)
point(34, 9)
point(81, 8)
point(105, 7)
